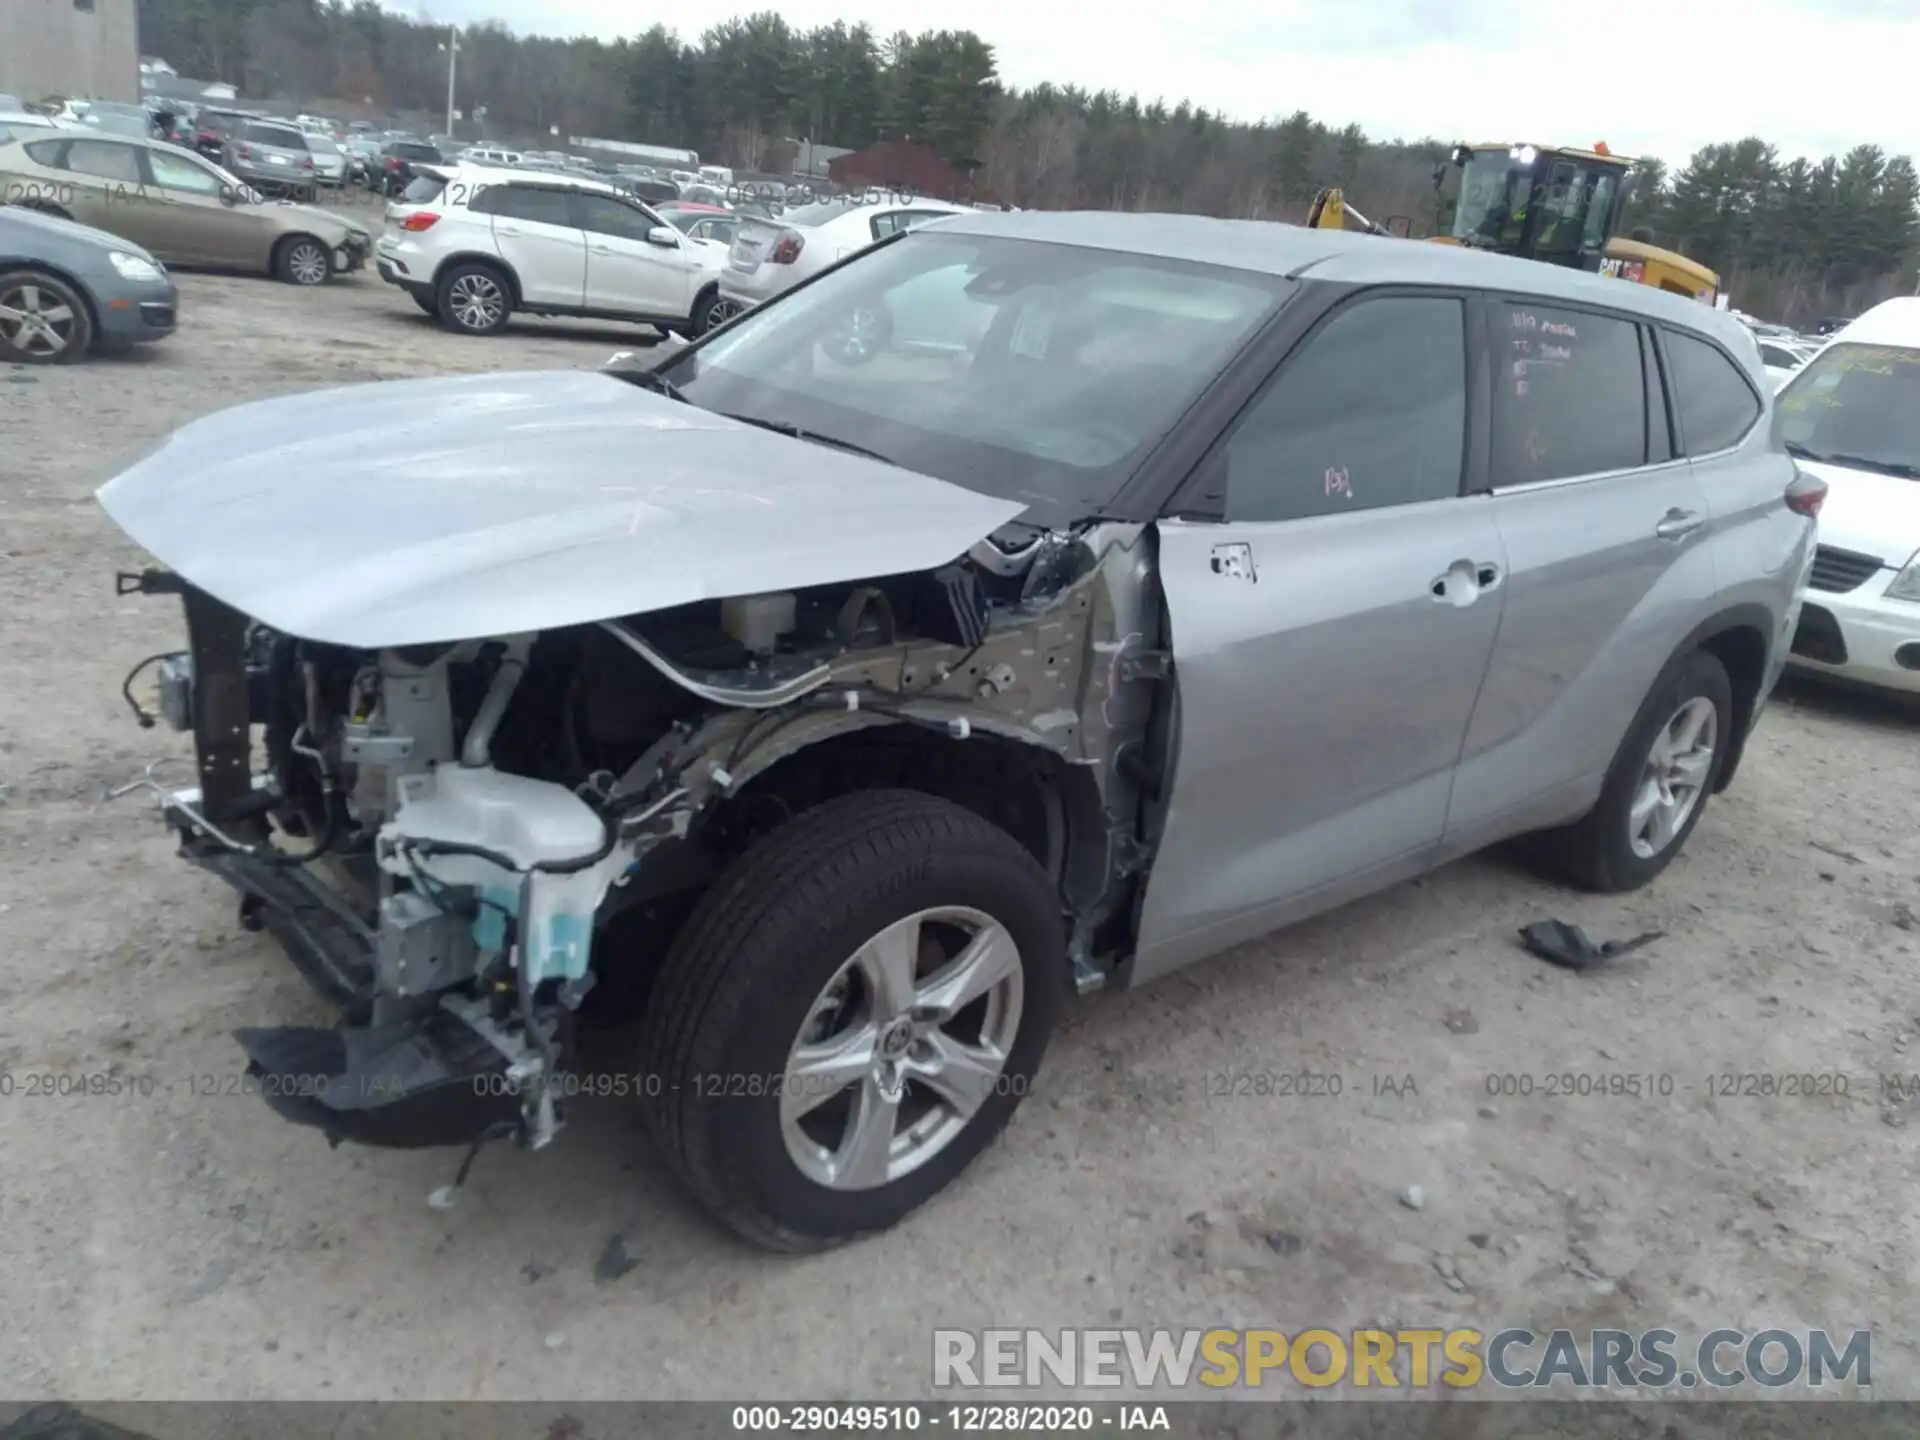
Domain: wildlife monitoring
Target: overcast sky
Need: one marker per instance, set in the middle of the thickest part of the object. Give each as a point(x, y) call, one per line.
point(1652, 77)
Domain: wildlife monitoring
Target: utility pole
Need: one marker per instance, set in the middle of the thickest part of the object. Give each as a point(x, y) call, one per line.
point(453, 60)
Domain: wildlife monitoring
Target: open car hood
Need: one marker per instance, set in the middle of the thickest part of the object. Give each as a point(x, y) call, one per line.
point(422, 511)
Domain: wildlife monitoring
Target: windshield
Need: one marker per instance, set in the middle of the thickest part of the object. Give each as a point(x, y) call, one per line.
point(1492, 188)
point(1856, 405)
point(1033, 372)
point(321, 144)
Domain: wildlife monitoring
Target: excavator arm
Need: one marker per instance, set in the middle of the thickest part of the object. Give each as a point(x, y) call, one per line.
point(1330, 211)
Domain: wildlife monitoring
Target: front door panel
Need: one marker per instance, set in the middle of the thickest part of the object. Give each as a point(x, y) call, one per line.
point(1327, 668)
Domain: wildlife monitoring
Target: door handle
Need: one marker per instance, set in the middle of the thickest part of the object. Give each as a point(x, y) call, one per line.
point(1462, 582)
point(506, 230)
point(602, 250)
point(1678, 524)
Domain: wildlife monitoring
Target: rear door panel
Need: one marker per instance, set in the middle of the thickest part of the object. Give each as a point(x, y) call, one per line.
point(1610, 568)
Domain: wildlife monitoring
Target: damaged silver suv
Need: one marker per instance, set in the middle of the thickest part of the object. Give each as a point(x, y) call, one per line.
point(1032, 603)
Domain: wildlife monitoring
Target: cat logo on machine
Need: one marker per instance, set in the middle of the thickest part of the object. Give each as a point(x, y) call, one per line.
point(1624, 269)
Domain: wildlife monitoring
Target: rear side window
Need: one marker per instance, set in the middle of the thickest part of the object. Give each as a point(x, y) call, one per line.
point(1372, 412)
point(424, 190)
point(104, 160)
point(1717, 405)
point(48, 153)
point(525, 202)
point(1569, 395)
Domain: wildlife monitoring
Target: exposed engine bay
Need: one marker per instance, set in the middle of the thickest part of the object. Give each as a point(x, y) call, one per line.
point(478, 848)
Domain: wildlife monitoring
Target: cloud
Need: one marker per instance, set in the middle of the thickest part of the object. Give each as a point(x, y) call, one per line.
point(1654, 77)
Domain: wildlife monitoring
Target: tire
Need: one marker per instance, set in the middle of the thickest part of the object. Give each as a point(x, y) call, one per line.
point(704, 312)
point(745, 980)
point(302, 260)
point(63, 331)
point(1599, 851)
point(473, 299)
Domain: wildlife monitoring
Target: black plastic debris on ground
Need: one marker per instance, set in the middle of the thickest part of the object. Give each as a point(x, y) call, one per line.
point(1567, 945)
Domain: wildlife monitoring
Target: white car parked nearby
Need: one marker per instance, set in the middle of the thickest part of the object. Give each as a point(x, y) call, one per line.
point(473, 244)
point(1851, 416)
point(770, 257)
point(1782, 358)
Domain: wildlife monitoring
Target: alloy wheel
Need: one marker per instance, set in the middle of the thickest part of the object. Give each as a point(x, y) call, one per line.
point(35, 320)
point(477, 302)
point(901, 1048)
point(1674, 777)
point(307, 263)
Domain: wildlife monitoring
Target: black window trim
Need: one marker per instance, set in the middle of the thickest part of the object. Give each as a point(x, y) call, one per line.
point(1490, 298)
point(1201, 496)
point(578, 195)
point(1681, 449)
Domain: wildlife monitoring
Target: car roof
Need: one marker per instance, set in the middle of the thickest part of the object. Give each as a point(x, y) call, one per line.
point(1345, 256)
point(1891, 322)
point(522, 175)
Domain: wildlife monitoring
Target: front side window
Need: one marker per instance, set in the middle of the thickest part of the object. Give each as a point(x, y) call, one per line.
point(606, 216)
point(1569, 394)
point(1032, 371)
point(172, 172)
point(1856, 405)
point(1371, 412)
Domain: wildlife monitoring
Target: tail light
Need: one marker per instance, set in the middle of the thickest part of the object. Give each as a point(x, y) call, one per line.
point(245, 152)
point(420, 220)
point(206, 137)
point(393, 162)
point(787, 249)
point(1806, 494)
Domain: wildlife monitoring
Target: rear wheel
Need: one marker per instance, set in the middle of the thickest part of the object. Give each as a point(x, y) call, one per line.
point(303, 260)
point(851, 1014)
point(43, 320)
point(473, 300)
point(1658, 785)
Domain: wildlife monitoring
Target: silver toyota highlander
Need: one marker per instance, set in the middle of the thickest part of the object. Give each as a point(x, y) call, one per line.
point(834, 710)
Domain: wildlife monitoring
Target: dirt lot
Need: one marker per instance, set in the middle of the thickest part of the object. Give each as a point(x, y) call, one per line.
point(189, 1244)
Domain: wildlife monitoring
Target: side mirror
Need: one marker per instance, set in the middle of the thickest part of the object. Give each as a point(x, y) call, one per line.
point(228, 197)
point(665, 236)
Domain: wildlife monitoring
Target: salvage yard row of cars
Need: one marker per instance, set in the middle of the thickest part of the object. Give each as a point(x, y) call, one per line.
point(831, 696)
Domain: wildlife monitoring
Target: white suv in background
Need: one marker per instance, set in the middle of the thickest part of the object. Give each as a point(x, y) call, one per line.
point(473, 244)
point(770, 257)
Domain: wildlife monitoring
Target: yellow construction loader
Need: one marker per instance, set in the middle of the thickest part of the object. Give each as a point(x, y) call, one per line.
point(1559, 206)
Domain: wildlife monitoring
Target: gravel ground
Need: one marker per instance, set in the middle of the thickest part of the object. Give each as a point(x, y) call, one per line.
point(189, 1244)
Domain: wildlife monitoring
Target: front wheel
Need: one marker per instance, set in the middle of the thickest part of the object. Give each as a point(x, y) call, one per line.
point(852, 1013)
point(42, 320)
point(303, 260)
point(1659, 782)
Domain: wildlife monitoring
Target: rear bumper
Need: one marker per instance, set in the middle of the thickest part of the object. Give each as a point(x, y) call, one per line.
point(1860, 636)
